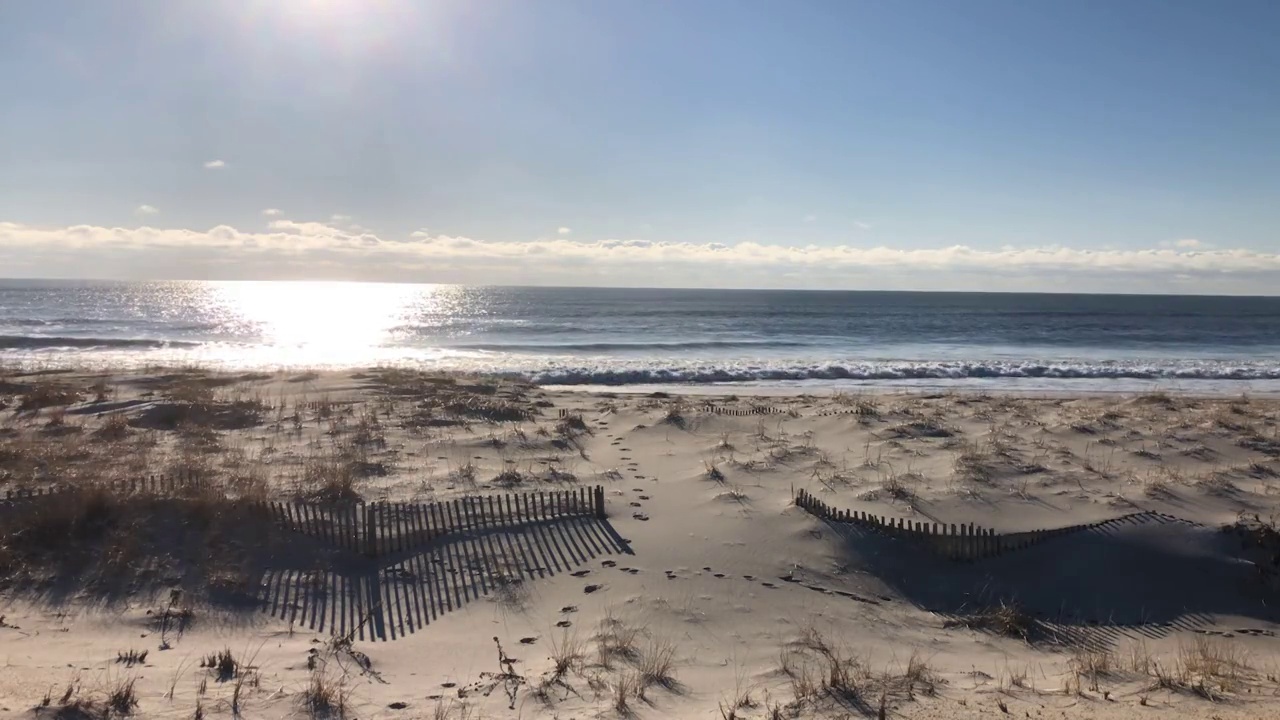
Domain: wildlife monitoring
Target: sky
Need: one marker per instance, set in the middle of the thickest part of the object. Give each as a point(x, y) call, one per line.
point(1092, 145)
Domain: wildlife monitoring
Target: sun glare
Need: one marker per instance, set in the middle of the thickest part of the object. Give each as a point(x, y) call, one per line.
point(323, 322)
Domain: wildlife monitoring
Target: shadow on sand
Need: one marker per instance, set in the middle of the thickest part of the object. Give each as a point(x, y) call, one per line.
point(1144, 575)
point(236, 559)
point(343, 593)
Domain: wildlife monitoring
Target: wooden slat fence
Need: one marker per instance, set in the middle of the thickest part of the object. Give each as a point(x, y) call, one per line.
point(150, 484)
point(745, 411)
point(384, 528)
point(962, 542)
point(378, 528)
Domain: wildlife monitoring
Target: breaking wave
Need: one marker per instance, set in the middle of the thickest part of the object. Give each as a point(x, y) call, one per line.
point(1204, 370)
point(29, 342)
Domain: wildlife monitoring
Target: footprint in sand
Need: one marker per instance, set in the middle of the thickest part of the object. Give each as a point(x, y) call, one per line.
point(398, 705)
point(449, 685)
point(591, 588)
point(644, 497)
point(707, 569)
point(528, 640)
point(719, 575)
point(580, 573)
point(749, 577)
point(632, 571)
point(769, 585)
point(569, 609)
point(609, 563)
point(563, 624)
point(636, 504)
point(640, 516)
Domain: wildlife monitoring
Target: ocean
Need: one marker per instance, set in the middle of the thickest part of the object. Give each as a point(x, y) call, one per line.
point(669, 338)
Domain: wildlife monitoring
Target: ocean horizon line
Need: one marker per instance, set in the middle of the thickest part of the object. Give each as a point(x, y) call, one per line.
point(709, 289)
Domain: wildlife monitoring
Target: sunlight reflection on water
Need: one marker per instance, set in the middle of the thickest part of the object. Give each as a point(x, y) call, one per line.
point(323, 323)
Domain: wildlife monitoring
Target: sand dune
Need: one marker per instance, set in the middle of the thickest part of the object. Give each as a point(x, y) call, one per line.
point(705, 591)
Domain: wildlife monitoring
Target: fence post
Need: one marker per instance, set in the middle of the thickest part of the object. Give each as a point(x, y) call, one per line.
point(600, 502)
point(370, 529)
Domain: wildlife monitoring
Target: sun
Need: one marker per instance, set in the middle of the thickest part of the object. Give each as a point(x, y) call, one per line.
point(351, 14)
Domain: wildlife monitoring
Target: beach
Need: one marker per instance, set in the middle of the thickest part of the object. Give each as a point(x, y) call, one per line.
point(1122, 564)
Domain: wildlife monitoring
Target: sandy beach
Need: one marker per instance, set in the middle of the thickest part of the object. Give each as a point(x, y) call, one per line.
point(703, 592)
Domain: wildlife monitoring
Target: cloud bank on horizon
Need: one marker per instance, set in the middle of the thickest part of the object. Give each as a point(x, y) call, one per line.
point(339, 249)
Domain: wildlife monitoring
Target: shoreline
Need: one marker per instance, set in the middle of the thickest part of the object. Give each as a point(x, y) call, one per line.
point(1011, 385)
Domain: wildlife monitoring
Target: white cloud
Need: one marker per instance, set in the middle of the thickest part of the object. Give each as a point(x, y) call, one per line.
point(809, 218)
point(271, 212)
point(146, 210)
point(564, 231)
point(323, 249)
point(1187, 244)
point(215, 165)
point(340, 218)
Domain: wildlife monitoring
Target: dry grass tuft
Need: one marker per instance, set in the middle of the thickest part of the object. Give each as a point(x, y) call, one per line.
point(974, 463)
point(1003, 619)
point(567, 655)
point(893, 486)
point(617, 639)
point(121, 697)
point(675, 415)
point(47, 393)
point(325, 696)
point(625, 687)
point(657, 665)
point(818, 668)
point(919, 676)
point(922, 427)
point(222, 664)
point(129, 658)
point(1093, 665)
point(713, 473)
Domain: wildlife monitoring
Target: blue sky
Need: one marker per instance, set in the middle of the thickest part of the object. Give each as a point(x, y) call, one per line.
point(905, 126)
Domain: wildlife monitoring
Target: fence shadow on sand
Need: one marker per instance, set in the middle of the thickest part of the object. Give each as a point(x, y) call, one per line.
point(328, 588)
point(374, 571)
point(1141, 575)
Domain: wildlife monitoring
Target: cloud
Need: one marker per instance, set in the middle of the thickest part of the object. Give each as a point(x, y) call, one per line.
point(862, 225)
point(215, 165)
point(146, 210)
point(809, 218)
point(272, 212)
point(1187, 244)
point(564, 231)
point(311, 249)
point(340, 218)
